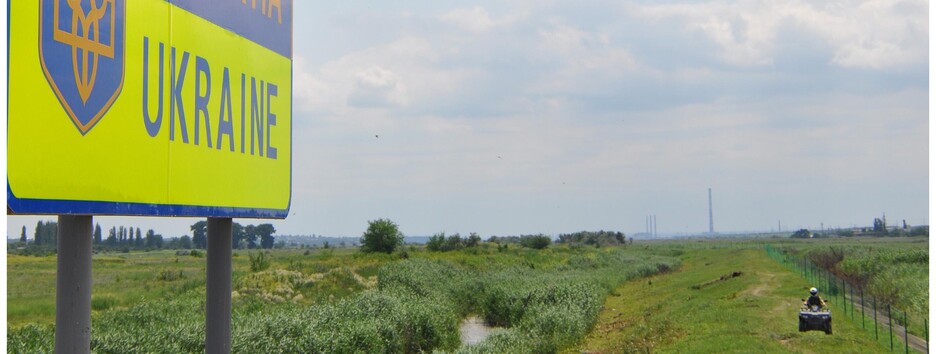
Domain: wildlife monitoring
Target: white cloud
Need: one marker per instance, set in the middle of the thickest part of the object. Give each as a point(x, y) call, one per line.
point(377, 87)
point(475, 19)
point(309, 92)
point(870, 34)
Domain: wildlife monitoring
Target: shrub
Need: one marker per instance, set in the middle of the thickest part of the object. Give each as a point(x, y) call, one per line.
point(436, 242)
point(170, 275)
point(382, 235)
point(535, 241)
point(258, 262)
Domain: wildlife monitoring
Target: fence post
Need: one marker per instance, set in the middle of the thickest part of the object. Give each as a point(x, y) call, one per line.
point(875, 318)
point(890, 325)
point(906, 335)
point(852, 294)
point(844, 304)
point(926, 332)
point(861, 291)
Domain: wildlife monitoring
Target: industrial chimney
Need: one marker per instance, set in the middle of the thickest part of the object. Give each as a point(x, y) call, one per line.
point(711, 221)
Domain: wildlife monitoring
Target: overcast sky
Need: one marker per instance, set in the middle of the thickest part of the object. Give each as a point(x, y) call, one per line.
point(510, 117)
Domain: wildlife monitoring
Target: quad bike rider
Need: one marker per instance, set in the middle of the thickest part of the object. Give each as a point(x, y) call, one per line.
point(815, 315)
point(814, 301)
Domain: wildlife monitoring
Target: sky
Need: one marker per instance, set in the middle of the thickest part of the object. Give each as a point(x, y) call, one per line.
point(523, 117)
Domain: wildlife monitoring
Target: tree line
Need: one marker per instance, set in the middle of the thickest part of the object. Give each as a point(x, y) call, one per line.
point(245, 237)
point(592, 238)
point(128, 238)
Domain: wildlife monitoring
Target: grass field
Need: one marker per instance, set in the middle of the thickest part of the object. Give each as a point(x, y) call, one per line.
point(342, 300)
point(570, 299)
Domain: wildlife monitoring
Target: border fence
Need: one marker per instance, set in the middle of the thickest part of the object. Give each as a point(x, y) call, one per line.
point(888, 325)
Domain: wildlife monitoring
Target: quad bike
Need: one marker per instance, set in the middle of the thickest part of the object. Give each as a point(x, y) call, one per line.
point(815, 318)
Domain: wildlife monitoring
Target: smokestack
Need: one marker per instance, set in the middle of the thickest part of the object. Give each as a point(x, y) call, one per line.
point(711, 220)
point(654, 226)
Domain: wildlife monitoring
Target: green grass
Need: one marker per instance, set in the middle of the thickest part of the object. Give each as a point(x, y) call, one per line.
point(121, 280)
point(340, 300)
point(545, 300)
point(695, 310)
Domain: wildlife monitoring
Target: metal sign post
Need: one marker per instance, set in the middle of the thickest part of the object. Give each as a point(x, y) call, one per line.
point(73, 285)
point(218, 292)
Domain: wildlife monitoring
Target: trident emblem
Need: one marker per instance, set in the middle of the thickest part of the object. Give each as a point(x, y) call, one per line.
point(82, 55)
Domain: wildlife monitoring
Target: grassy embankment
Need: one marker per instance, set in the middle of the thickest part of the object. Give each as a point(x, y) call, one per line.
point(695, 309)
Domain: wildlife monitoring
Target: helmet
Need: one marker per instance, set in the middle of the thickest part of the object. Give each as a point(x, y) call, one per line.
point(813, 291)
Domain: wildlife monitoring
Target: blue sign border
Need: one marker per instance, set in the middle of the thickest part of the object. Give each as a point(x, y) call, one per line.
point(17, 206)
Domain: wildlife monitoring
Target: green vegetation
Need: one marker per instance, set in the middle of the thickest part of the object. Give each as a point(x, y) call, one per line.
point(600, 238)
point(651, 296)
point(258, 262)
point(894, 270)
point(801, 233)
point(539, 241)
point(706, 307)
point(543, 300)
point(126, 239)
point(440, 243)
point(382, 235)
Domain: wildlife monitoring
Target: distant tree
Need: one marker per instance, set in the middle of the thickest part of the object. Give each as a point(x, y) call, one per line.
point(436, 242)
point(46, 233)
point(473, 240)
point(112, 237)
point(265, 231)
point(845, 233)
point(919, 231)
point(599, 238)
point(454, 242)
point(185, 242)
point(238, 235)
point(200, 234)
point(535, 241)
point(37, 237)
point(801, 233)
point(138, 242)
point(250, 234)
point(158, 241)
point(880, 226)
point(150, 240)
point(97, 234)
point(382, 235)
point(52, 232)
point(23, 235)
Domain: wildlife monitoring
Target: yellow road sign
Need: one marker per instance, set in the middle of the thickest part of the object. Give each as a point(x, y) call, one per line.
point(150, 107)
